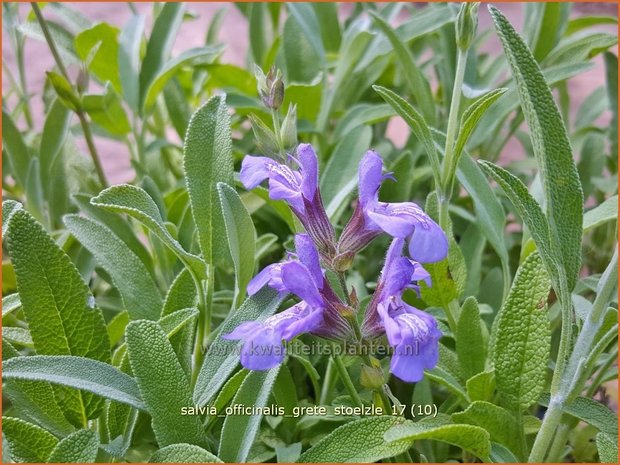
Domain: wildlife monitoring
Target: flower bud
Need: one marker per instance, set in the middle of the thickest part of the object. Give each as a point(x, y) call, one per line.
point(466, 24)
point(265, 139)
point(371, 377)
point(270, 87)
point(288, 132)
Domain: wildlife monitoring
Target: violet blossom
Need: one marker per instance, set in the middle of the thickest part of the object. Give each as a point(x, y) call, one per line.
point(319, 312)
point(427, 242)
point(299, 188)
point(411, 332)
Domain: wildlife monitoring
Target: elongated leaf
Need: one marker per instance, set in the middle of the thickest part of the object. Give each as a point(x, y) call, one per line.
point(470, 346)
point(17, 336)
point(532, 215)
point(104, 63)
point(611, 74)
point(417, 82)
point(607, 446)
point(358, 441)
point(208, 160)
point(9, 207)
point(193, 57)
point(129, 60)
point(27, 442)
point(481, 386)
point(10, 303)
point(471, 117)
point(415, 121)
point(472, 439)
point(239, 431)
point(489, 212)
point(76, 372)
point(563, 193)
point(340, 176)
point(222, 357)
point(183, 453)
point(500, 423)
point(160, 44)
point(58, 305)
point(607, 211)
point(241, 237)
point(135, 202)
point(523, 339)
point(301, 61)
point(590, 411)
point(79, 447)
point(138, 290)
point(13, 144)
point(361, 114)
point(308, 23)
point(163, 384)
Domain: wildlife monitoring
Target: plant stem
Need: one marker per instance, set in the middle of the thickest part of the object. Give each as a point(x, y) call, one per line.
point(276, 132)
point(327, 381)
point(547, 432)
point(205, 304)
point(449, 163)
point(79, 111)
point(346, 380)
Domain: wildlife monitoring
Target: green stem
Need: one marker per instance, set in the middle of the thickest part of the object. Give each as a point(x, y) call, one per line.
point(205, 304)
point(547, 432)
point(559, 442)
point(449, 163)
point(275, 117)
point(346, 380)
point(327, 381)
point(79, 111)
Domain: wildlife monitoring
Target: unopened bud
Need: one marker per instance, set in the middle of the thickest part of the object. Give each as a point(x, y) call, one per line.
point(371, 377)
point(466, 24)
point(342, 262)
point(265, 139)
point(270, 87)
point(288, 132)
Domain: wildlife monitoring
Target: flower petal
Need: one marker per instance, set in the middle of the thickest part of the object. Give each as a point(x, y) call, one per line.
point(270, 275)
point(300, 282)
point(263, 351)
point(309, 170)
point(428, 243)
point(395, 225)
point(370, 175)
point(309, 256)
point(254, 170)
point(242, 331)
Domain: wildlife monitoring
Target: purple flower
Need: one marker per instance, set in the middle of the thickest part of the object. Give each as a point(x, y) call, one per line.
point(319, 312)
point(298, 187)
point(412, 333)
point(427, 242)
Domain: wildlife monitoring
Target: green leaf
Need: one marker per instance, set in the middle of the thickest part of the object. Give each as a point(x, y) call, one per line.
point(416, 122)
point(34, 190)
point(581, 47)
point(207, 161)
point(592, 412)
point(106, 111)
point(327, 16)
point(191, 58)
point(471, 117)
point(442, 376)
point(301, 61)
point(470, 345)
point(79, 447)
point(129, 60)
point(531, 213)
point(606, 211)
point(607, 446)
point(361, 114)
point(9, 207)
point(10, 303)
point(18, 155)
point(481, 386)
point(563, 193)
point(160, 44)
point(163, 384)
point(418, 84)
point(523, 337)
point(256, 28)
point(104, 63)
point(139, 292)
point(308, 24)
point(611, 74)
point(17, 336)
point(489, 211)
point(239, 431)
point(544, 25)
point(340, 175)
point(64, 90)
point(58, 305)
point(358, 441)
point(76, 372)
point(27, 442)
point(51, 155)
point(472, 439)
point(500, 423)
point(135, 202)
point(241, 237)
point(500, 454)
point(183, 453)
point(223, 356)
